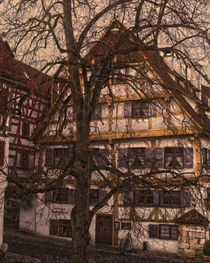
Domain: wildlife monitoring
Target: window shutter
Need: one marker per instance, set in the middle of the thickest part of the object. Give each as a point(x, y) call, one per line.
point(71, 196)
point(159, 157)
point(98, 112)
point(100, 157)
point(102, 194)
point(122, 157)
point(185, 199)
point(188, 157)
point(205, 94)
point(156, 198)
point(49, 196)
point(153, 231)
point(128, 198)
point(128, 109)
point(53, 227)
point(2, 144)
point(204, 157)
point(49, 156)
point(152, 109)
point(208, 159)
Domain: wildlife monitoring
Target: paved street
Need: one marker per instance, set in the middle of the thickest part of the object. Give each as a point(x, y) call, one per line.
point(49, 250)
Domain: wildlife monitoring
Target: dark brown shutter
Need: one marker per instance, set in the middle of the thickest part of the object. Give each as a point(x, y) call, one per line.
point(98, 112)
point(155, 198)
point(159, 157)
point(152, 109)
point(153, 231)
point(185, 199)
point(128, 109)
point(71, 196)
point(49, 196)
point(128, 198)
point(149, 162)
point(53, 227)
point(204, 157)
point(122, 157)
point(49, 157)
point(188, 157)
point(208, 159)
point(2, 149)
point(205, 94)
point(100, 157)
point(102, 194)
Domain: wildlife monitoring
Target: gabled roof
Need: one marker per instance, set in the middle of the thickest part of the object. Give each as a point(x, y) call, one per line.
point(193, 217)
point(121, 44)
point(20, 73)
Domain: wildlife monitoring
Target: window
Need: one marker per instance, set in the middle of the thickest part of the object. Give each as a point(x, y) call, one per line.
point(139, 109)
point(144, 197)
point(96, 195)
point(126, 226)
point(136, 157)
point(118, 76)
point(169, 232)
point(24, 160)
point(60, 195)
point(100, 157)
point(174, 157)
point(58, 157)
point(60, 227)
point(148, 197)
point(25, 129)
point(170, 198)
point(206, 158)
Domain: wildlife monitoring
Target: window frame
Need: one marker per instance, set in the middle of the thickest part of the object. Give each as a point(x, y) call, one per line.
point(170, 231)
point(63, 193)
point(24, 157)
point(139, 107)
point(144, 194)
point(26, 129)
point(172, 155)
point(137, 156)
point(169, 195)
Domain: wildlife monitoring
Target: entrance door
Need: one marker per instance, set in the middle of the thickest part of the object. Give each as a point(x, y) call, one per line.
point(103, 229)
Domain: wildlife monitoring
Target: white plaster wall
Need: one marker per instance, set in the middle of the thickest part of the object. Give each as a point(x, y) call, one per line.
point(157, 123)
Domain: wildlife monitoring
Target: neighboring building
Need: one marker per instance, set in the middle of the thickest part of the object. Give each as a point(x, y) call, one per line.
point(26, 93)
point(164, 127)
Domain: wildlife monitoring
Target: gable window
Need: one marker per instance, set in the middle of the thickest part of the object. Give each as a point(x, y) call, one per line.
point(118, 76)
point(139, 109)
point(136, 157)
point(60, 227)
point(169, 232)
point(25, 129)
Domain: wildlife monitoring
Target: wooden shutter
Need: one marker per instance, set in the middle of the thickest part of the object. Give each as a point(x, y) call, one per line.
point(128, 109)
point(122, 157)
point(156, 198)
point(149, 158)
point(153, 231)
point(152, 109)
point(100, 157)
point(205, 94)
point(49, 157)
point(71, 196)
point(208, 159)
point(204, 157)
point(188, 157)
point(2, 149)
point(102, 194)
point(185, 199)
point(128, 198)
point(49, 196)
point(54, 227)
point(98, 112)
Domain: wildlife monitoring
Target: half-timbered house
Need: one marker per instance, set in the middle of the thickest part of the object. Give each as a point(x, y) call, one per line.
point(24, 94)
point(161, 125)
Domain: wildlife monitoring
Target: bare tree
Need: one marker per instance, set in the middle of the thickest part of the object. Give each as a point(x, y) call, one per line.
point(55, 35)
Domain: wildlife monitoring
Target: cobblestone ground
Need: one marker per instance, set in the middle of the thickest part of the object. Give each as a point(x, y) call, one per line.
point(28, 248)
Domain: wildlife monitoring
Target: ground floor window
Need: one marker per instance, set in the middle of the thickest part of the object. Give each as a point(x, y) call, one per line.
point(163, 231)
point(60, 227)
